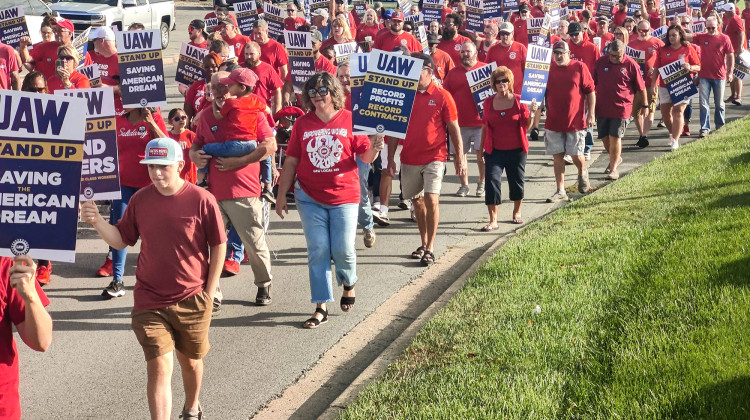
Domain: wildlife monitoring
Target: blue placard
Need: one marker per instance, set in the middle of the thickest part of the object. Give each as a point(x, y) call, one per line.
point(675, 8)
point(475, 16)
point(510, 6)
point(493, 9)
point(575, 5)
point(536, 73)
point(533, 28)
point(247, 14)
point(100, 174)
point(41, 149)
point(388, 94)
point(301, 60)
point(432, 11)
point(605, 8)
point(634, 6)
point(92, 73)
point(357, 71)
point(479, 85)
point(660, 33)
point(141, 69)
point(190, 64)
point(273, 16)
point(81, 43)
point(695, 4)
point(639, 56)
point(678, 81)
point(12, 26)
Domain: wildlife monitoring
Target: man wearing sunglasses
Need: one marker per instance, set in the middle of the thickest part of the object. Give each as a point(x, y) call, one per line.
point(292, 21)
point(649, 45)
point(717, 65)
point(198, 34)
point(452, 41)
point(396, 37)
point(520, 28)
point(42, 57)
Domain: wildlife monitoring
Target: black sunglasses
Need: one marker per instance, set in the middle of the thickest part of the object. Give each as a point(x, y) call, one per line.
point(38, 89)
point(322, 91)
point(498, 81)
point(66, 57)
point(180, 118)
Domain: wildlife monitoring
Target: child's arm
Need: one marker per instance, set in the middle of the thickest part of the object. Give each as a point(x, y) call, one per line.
point(217, 111)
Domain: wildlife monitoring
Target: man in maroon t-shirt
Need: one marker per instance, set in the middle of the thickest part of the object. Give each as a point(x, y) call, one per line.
point(235, 39)
point(269, 84)
point(182, 249)
point(717, 64)
point(22, 303)
point(271, 51)
point(734, 28)
point(619, 89)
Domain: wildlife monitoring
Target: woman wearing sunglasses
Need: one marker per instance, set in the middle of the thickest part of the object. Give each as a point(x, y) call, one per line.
point(66, 76)
point(321, 154)
point(178, 120)
point(505, 146)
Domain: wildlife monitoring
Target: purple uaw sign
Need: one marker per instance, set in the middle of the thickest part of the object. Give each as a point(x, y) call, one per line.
point(301, 60)
point(12, 26)
point(100, 175)
point(141, 69)
point(536, 73)
point(41, 149)
point(679, 83)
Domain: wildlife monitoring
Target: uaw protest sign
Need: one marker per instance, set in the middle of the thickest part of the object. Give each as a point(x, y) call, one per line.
point(536, 73)
point(12, 26)
point(41, 149)
point(679, 83)
point(141, 69)
point(387, 97)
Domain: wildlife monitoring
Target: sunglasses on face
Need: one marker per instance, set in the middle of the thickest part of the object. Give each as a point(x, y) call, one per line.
point(643, 31)
point(503, 81)
point(449, 24)
point(291, 10)
point(321, 91)
point(710, 27)
point(38, 89)
point(180, 118)
point(66, 58)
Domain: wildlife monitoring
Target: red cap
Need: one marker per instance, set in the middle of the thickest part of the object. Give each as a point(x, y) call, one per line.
point(287, 112)
point(397, 15)
point(65, 24)
point(243, 76)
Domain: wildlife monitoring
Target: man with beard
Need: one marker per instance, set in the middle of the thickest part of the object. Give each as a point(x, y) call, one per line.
point(321, 64)
point(443, 62)
point(520, 30)
point(452, 41)
point(469, 122)
point(235, 39)
point(269, 84)
point(271, 51)
point(198, 34)
point(396, 36)
point(510, 54)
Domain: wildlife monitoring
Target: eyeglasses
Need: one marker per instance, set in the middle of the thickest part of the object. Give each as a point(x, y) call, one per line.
point(38, 89)
point(449, 24)
point(710, 27)
point(503, 81)
point(636, 16)
point(180, 118)
point(47, 32)
point(321, 91)
point(291, 10)
point(461, 13)
point(643, 31)
point(66, 57)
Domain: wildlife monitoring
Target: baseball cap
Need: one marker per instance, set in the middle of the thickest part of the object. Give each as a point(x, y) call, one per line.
point(433, 39)
point(65, 24)
point(505, 27)
point(103, 32)
point(226, 21)
point(316, 36)
point(523, 7)
point(198, 24)
point(321, 12)
point(162, 151)
point(560, 46)
point(242, 76)
point(427, 61)
point(288, 112)
point(388, 13)
point(600, 19)
point(729, 7)
point(574, 28)
point(397, 15)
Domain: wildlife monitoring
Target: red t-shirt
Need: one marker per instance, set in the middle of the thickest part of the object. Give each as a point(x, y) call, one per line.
point(654, 19)
point(268, 81)
point(229, 15)
point(274, 54)
point(619, 17)
point(108, 67)
point(8, 64)
point(425, 140)
point(713, 55)
point(186, 139)
point(586, 52)
point(457, 85)
point(364, 30)
point(650, 47)
point(176, 235)
point(78, 80)
point(203, 45)
point(570, 86)
point(242, 182)
point(537, 12)
point(616, 85)
point(506, 129)
point(387, 42)
point(292, 23)
point(238, 44)
point(446, 12)
point(733, 27)
point(746, 20)
point(44, 55)
point(443, 63)
point(12, 312)
point(667, 55)
point(327, 170)
point(453, 47)
point(131, 147)
point(240, 117)
point(196, 95)
point(521, 32)
point(513, 57)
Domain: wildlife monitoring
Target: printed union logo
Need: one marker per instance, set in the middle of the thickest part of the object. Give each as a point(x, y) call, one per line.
point(622, 70)
point(88, 192)
point(19, 247)
point(512, 56)
point(157, 152)
point(403, 42)
point(380, 128)
point(144, 102)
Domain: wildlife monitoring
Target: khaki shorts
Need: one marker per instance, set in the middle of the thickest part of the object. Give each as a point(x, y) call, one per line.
point(568, 142)
point(183, 326)
point(471, 137)
point(419, 179)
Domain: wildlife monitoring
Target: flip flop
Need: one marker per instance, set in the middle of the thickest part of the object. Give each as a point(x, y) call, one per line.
point(517, 220)
point(489, 228)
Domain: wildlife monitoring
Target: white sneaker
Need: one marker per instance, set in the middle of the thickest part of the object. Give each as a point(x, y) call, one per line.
point(375, 206)
point(675, 144)
point(568, 160)
point(587, 155)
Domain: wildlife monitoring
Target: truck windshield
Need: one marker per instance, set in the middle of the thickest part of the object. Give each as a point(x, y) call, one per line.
point(30, 7)
point(107, 2)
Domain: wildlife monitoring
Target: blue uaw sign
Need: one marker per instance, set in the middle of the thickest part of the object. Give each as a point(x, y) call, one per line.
point(141, 69)
point(679, 83)
point(639, 56)
point(41, 149)
point(575, 5)
point(388, 94)
point(432, 11)
point(474, 16)
point(247, 15)
point(301, 60)
point(12, 26)
point(190, 64)
point(92, 73)
point(493, 10)
point(536, 73)
point(357, 72)
point(275, 20)
point(479, 84)
point(100, 174)
point(81, 43)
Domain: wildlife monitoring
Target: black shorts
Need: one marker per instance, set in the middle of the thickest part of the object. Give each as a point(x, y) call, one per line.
point(614, 127)
point(513, 162)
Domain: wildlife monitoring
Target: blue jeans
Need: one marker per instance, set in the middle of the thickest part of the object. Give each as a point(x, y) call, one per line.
point(688, 111)
point(365, 210)
point(589, 136)
point(330, 231)
point(705, 88)
point(238, 148)
point(116, 210)
point(235, 249)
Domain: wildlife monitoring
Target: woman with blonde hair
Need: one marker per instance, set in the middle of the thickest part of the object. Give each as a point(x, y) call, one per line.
point(369, 27)
point(340, 33)
point(66, 76)
point(504, 142)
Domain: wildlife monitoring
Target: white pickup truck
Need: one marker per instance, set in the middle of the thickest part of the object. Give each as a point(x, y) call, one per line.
point(153, 14)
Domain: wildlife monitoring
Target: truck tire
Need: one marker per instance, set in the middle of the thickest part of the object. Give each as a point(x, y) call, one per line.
point(164, 30)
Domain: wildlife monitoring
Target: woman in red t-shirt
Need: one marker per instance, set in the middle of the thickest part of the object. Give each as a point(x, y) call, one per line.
point(505, 121)
point(677, 48)
point(178, 118)
point(369, 27)
point(321, 154)
point(66, 76)
point(340, 33)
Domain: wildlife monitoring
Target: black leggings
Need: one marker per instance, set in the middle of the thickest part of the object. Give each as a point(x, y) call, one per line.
point(514, 164)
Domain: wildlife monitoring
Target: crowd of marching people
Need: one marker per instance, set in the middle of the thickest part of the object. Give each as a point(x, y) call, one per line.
point(196, 187)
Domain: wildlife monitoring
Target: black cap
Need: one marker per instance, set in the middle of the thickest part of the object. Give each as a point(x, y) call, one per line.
point(523, 7)
point(574, 28)
point(220, 3)
point(198, 24)
point(433, 39)
point(428, 61)
point(227, 21)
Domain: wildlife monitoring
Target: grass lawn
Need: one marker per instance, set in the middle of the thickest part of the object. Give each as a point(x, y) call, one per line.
point(644, 290)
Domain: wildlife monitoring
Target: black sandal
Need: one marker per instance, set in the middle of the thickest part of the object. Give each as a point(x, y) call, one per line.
point(428, 258)
point(313, 322)
point(347, 302)
point(419, 253)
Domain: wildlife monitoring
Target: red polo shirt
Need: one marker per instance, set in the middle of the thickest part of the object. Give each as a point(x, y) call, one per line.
point(457, 85)
point(426, 136)
point(388, 41)
point(512, 57)
point(453, 47)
